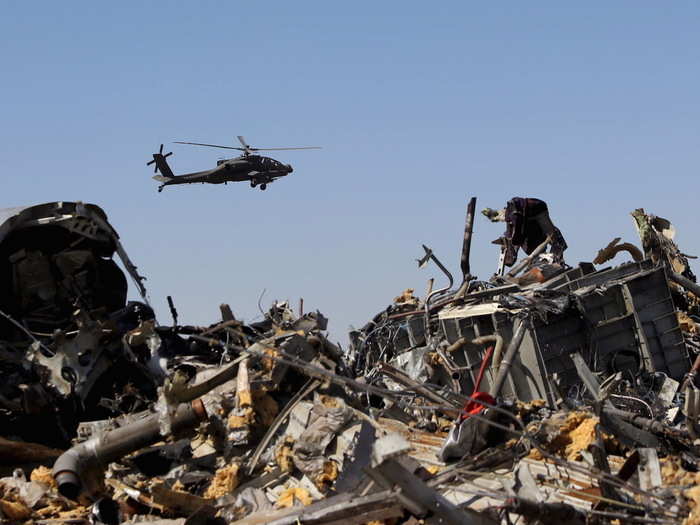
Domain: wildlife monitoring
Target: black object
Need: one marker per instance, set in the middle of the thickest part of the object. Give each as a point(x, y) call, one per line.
point(256, 169)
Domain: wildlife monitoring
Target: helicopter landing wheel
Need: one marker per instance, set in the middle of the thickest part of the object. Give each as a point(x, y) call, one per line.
point(160, 188)
point(253, 184)
point(263, 187)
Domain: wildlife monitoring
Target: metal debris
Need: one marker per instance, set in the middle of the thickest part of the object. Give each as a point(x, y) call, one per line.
point(545, 393)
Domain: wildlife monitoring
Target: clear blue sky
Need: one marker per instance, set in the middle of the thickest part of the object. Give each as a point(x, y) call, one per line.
point(417, 105)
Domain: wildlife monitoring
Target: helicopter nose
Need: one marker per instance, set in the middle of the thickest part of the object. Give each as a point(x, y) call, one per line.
point(289, 168)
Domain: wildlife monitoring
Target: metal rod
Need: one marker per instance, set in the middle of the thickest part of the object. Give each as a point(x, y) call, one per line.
point(685, 283)
point(527, 260)
point(467, 243)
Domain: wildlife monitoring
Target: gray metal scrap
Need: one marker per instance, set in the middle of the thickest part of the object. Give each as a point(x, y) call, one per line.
point(620, 313)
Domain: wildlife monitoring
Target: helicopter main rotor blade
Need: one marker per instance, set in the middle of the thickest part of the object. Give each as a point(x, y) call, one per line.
point(246, 148)
point(209, 145)
point(280, 149)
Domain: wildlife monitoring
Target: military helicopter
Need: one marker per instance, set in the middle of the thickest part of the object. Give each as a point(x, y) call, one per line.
point(257, 169)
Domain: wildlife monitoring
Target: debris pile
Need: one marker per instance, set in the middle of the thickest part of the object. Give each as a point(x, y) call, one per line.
point(545, 393)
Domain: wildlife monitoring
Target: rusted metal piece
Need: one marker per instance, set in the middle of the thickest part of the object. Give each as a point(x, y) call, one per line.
point(199, 409)
point(467, 243)
point(613, 248)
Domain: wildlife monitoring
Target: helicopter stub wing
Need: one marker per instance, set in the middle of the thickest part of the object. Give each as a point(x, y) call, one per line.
point(199, 176)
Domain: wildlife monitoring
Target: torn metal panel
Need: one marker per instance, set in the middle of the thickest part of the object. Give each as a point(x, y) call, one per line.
point(629, 325)
point(649, 471)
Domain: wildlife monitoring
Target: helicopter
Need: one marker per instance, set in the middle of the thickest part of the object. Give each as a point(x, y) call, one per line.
point(249, 166)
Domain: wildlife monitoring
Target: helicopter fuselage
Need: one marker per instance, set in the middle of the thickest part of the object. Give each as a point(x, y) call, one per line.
point(250, 166)
point(254, 168)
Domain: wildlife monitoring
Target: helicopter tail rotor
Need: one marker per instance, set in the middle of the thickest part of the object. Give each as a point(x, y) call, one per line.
point(161, 164)
point(157, 157)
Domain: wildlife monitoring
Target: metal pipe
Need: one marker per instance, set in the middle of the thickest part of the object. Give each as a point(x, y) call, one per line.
point(426, 307)
point(496, 358)
point(467, 243)
point(642, 422)
point(419, 388)
point(429, 287)
point(224, 376)
point(461, 290)
point(71, 467)
point(484, 339)
point(504, 368)
point(440, 290)
point(457, 345)
point(523, 263)
point(685, 282)
point(456, 371)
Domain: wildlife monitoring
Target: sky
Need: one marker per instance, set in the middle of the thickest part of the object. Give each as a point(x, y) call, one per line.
point(592, 107)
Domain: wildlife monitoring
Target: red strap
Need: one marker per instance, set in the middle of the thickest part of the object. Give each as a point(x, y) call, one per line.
point(484, 362)
point(473, 406)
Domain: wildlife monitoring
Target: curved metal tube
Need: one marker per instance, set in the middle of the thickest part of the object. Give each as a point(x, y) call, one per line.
point(440, 290)
point(482, 340)
point(454, 370)
point(426, 307)
point(496, 358)
point(513, 347)
point(71, 467)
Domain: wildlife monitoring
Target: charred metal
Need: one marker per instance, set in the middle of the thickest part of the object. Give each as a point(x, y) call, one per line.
point(547, 392)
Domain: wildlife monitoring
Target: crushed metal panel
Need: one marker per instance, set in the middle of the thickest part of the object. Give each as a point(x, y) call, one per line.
point(607, 275)
point(628, 323)
point(462, 312)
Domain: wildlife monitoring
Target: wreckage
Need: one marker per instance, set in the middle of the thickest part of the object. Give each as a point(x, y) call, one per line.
point(545, 393)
